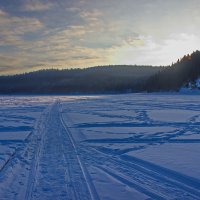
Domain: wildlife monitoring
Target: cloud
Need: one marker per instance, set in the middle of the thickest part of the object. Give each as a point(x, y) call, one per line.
point(91, 15)
point(13, 28)
point(11, 63)
point(8, 60)
point(37, 6)
point(155, 53)
point(92, 32)
point(73, 9)
point(2, 13)
point(72, 46)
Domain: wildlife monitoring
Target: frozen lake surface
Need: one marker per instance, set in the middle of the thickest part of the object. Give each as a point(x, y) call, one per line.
point(109, 147)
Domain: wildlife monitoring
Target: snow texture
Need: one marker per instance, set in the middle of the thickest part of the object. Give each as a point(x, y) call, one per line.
point(110, 147)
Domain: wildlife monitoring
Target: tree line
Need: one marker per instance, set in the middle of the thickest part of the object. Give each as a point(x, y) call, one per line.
point(100, 79)
point(106, 79)
point(180, 74)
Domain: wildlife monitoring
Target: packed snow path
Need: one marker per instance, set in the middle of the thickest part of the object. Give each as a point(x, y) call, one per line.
point(56, 171)
point(60, 173)
point(90, 148)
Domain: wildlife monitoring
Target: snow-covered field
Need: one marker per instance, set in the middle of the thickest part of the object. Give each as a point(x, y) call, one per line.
point(137, 146)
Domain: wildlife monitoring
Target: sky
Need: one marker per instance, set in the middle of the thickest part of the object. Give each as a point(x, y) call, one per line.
point(41, 34)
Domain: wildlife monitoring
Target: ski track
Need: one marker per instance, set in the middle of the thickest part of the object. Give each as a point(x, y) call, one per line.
point(154, 181)
point(49, 164)
point(14, 174)
point(150, 179)
point(60, 173)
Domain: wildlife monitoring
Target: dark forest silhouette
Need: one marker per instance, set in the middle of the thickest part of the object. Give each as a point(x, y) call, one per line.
point(185, 71)
point(105, 79)
point(101, 79)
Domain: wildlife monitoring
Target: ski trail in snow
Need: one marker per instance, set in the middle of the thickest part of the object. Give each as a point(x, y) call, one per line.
point(152, 181)
point(90, 186)
point(48, 165)
point(60, 173)
point(15, 174)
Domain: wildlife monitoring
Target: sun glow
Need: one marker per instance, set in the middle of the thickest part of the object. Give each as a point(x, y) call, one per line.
point(156, 52)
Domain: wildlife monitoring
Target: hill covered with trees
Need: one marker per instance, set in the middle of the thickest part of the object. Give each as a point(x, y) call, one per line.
point(101, 79)
point(107, 79)
point(183, 73)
